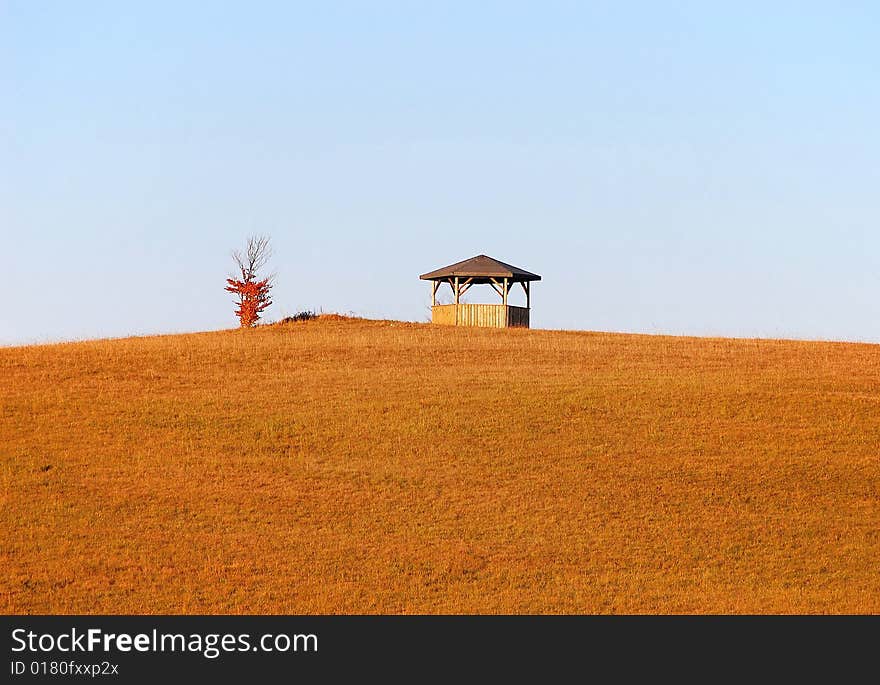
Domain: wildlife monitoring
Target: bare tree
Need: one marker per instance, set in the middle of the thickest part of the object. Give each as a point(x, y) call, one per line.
point(256, 256)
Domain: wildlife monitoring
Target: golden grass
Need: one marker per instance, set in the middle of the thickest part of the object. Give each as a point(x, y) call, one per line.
point(373, 466)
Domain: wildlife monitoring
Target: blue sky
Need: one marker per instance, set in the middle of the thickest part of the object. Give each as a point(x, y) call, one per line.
point(687, 168)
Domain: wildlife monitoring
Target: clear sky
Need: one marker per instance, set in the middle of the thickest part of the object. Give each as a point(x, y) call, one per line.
point(697, 168)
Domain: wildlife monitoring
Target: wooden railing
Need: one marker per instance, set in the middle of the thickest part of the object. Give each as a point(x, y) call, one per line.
point(487, 315)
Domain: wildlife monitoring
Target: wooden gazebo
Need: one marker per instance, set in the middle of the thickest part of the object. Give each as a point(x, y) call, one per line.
point(474, 271)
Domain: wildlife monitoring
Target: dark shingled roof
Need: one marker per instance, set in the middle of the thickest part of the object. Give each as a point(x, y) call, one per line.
point(481, 269)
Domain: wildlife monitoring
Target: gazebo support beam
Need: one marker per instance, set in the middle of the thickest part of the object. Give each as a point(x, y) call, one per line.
point(496, 286)
point(460, 286)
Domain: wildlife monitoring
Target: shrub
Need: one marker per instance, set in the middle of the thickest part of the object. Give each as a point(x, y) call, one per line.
point(300, 316)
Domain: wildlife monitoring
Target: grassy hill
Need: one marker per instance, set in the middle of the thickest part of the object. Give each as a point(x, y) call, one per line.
point(375, 466)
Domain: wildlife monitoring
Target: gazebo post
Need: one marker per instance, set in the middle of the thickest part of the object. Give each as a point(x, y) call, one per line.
point(504, 297)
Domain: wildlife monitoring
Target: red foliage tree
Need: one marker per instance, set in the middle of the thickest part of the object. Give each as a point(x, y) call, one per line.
point(253, 298)
point(252, 294)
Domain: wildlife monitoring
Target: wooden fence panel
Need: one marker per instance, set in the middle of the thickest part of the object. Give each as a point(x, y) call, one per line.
point(484, 315)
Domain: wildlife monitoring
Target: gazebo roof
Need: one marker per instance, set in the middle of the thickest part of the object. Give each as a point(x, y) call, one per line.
point(481, 269)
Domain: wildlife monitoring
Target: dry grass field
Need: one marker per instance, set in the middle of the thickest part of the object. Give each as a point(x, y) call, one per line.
point(372, 466)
